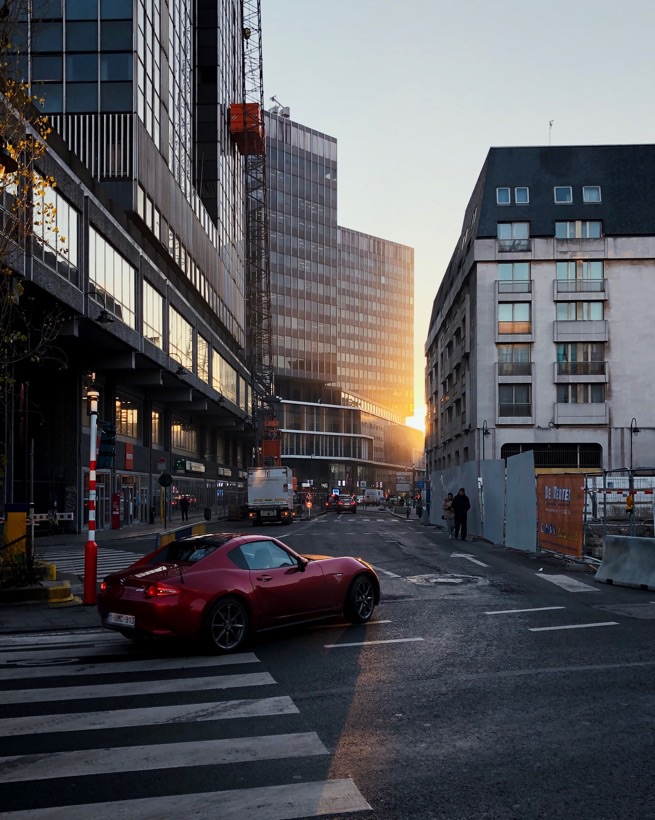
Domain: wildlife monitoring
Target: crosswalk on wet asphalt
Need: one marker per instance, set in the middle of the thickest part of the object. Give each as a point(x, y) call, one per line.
point(91, 726)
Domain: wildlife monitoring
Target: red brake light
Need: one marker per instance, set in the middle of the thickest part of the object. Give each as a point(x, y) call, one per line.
point(103, 586)
point(160, 590)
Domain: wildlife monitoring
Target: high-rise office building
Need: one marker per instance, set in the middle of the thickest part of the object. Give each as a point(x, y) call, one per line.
point(343, 323)
point(140, 93)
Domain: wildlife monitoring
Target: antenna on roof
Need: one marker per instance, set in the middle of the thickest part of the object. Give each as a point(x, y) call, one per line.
point(550, 128)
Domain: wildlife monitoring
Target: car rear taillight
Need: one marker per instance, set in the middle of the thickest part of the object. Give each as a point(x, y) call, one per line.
point(160, 590)
point(103, 586)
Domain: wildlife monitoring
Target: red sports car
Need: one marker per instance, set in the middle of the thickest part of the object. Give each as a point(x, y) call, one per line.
point(221, 587)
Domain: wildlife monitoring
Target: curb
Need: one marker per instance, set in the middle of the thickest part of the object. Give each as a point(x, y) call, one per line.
point(54, 593)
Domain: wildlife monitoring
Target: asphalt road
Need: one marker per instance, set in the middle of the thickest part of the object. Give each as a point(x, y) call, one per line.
point(496, 686)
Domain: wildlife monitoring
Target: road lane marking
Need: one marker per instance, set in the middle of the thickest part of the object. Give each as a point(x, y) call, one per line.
point(570, 626)
point(468, 558)
point(83, 762)
point(536, 609)
point(370, 643)
point(151, 687)
point(349, 625)
point(264, 802)
point(386, 572)
point(569, 584)
point(151, 716)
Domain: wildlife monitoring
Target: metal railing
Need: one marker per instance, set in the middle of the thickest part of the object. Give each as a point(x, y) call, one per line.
point(581, 368)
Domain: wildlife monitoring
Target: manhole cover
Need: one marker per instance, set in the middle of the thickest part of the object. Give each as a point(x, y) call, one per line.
point(447, 578)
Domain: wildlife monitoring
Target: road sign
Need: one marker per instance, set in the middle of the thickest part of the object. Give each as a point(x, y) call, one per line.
point(308, 504)
point(165, 479)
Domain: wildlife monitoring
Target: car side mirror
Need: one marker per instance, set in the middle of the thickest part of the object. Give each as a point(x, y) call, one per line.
point(302, 563)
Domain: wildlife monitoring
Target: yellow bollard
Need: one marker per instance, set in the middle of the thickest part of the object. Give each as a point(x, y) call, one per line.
point(15, 530)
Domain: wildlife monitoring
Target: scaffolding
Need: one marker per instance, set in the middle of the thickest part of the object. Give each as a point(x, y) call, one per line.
point(248, 128)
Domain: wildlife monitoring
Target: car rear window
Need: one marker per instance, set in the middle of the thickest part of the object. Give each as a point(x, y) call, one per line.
point(190, 551)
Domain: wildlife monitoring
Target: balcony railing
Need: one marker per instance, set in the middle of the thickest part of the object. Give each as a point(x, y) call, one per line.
point(515, 286)
point(581, 285)
point(514, 245)
point(581, 368)
point(514, 410)
point(514, 368)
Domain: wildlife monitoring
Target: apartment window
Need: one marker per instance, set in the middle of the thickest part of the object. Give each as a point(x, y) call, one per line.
point(503, 196)
point(111, 279)
point(514, 400)
point(514, 317)
point(580, 276)
point(184, 437)
point(563, 194)
point(579, 229)
point(581, 359)
point(513, 230)
point(153, 315)
point(180, 339)
point(579, 311)
point(127, 417)
point(514, 360)
point(591, 193)
point(514, 277)
point(156, 427)
point(580, 393)
point(203, 359)
point(522, 196)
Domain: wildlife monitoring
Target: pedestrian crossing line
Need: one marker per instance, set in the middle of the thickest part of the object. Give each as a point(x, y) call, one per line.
point(150, 687)
point(569, 584)
point(37, 668)
point(78, 636)
point(151, 716)
point(285, 802)
point(120, 759)
point(71, 561)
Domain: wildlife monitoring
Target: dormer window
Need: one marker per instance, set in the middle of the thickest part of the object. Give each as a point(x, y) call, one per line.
point(563, 194)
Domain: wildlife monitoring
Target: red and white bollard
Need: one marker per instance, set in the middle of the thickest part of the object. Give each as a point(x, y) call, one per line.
point(91, 548)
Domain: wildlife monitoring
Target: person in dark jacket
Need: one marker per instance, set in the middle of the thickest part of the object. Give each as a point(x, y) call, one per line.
point(461, 506)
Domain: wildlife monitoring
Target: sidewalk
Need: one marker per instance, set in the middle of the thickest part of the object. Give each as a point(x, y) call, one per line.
point(41, 617)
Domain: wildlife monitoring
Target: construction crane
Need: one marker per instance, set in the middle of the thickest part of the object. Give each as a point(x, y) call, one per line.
point(247, 126)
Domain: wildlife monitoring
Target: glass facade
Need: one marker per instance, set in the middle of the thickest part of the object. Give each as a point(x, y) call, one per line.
point(376, 320)
point(302, 185)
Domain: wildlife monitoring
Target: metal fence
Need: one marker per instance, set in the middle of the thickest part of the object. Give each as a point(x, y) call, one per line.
point(607, 509)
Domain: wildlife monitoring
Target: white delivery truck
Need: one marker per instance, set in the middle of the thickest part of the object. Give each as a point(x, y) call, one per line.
point(270, 495)
point(375, 497)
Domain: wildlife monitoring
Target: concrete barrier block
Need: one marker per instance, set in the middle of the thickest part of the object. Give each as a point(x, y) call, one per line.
point(628, 561)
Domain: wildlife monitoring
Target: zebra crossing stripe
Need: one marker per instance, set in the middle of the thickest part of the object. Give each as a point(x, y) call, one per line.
point(35, 639)
point(83, 762)
point(114, 690)
point(44, 669)
point(265, 803)
point(151, 716)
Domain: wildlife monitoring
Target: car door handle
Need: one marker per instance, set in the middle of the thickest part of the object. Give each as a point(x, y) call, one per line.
point(264, 577)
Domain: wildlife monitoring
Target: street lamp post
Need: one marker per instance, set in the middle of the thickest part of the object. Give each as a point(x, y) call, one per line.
point(485, 432)
point(633, 432)
point(91, 548)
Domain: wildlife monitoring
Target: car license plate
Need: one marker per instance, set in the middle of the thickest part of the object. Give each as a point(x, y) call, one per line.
point(117, 619)
point(267, 513)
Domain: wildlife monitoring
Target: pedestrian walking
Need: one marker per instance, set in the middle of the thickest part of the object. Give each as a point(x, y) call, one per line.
point(461, 506)
point(449, 514)
point(184, 508)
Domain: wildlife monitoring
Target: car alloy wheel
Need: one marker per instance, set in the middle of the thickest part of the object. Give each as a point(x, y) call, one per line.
point(227, 625)
point(361, 600)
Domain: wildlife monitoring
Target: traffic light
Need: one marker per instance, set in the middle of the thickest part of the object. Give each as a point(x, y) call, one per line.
point(106, 448)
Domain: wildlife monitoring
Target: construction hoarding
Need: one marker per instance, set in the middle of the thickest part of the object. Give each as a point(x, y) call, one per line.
point(560, 505)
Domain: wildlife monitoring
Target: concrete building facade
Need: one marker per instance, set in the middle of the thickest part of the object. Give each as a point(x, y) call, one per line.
point(540, 334)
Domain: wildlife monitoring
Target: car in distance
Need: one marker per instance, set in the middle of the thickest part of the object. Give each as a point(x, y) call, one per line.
point(223, 587)
point(331, 503)
point(346, 504)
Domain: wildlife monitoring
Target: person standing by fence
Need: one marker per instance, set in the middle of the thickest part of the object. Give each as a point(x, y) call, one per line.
point(449, 514)
point(461, 506)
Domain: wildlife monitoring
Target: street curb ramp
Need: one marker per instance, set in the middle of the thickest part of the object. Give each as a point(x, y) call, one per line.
point(628, 561)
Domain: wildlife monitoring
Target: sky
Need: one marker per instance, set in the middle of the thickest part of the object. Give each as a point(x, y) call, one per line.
point(417, 92)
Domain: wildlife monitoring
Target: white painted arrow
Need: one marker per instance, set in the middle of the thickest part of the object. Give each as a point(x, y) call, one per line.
point(468, 558)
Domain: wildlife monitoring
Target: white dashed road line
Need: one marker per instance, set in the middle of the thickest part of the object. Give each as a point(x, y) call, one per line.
point(571, 626)
point(369, 643)
point(536, 609)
